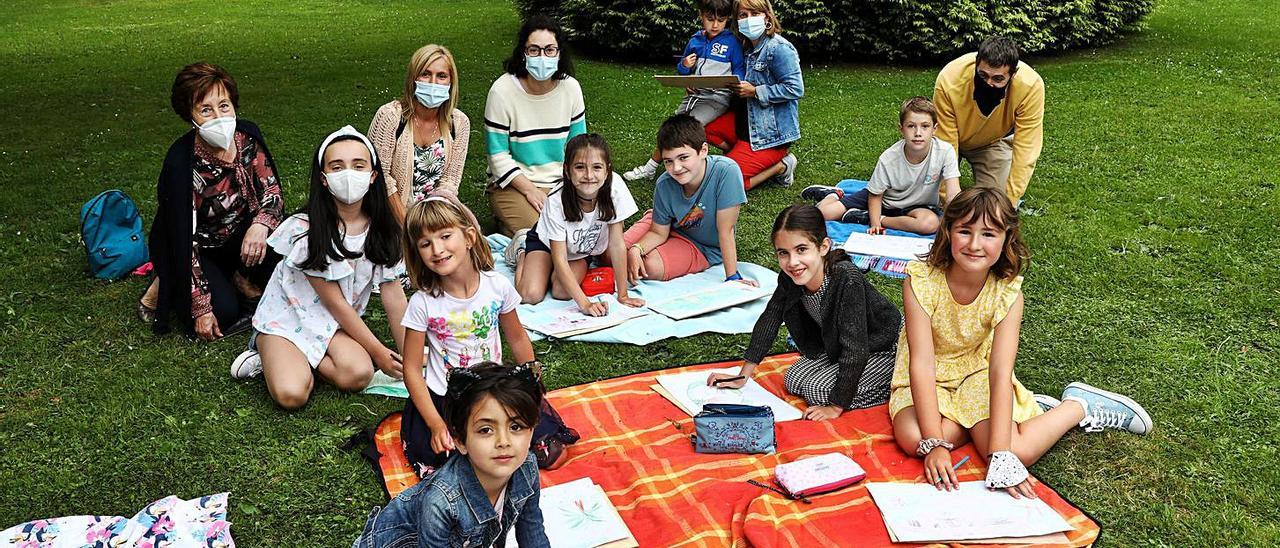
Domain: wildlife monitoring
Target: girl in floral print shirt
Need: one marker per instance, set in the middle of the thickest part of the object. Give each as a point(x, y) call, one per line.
point(453, 320)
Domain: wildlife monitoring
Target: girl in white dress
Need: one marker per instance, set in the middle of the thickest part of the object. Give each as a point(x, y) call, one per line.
point(335, 250)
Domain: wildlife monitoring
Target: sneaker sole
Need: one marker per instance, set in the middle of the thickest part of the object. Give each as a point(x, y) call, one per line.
point(1137, 409)
point(237, 365)
point(829, 190)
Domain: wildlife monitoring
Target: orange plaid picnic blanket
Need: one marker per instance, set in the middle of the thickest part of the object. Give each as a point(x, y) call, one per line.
point(635, 445)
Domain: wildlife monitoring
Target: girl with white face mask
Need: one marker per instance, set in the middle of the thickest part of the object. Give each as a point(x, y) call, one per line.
point(531, 113)
point(421, 136)
point(219, 199)
point(344, 241)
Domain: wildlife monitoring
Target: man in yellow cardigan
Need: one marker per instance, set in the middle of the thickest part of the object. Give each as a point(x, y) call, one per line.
point(991, 109)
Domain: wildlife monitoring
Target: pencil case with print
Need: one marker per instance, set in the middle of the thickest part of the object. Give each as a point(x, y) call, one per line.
point(733, 428)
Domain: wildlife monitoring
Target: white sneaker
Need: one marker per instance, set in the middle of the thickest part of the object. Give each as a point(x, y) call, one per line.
point(645, 171)
point(247, 364)
point(1103, 409)
point(789, 176)
point(512, 252)
point(1047, 402)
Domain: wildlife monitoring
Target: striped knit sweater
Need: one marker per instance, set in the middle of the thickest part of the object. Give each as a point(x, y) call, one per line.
point(526, 133)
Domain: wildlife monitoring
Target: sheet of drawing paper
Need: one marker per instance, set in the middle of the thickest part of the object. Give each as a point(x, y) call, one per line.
point(569, 321)
point(918, 512)
point(884, 245)
point(577, 514)
point(691, 391)
point(712, 299)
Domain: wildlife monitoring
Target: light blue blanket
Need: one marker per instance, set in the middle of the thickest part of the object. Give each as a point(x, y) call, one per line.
point(655, 327)
point(639, 331)
point(839, 232)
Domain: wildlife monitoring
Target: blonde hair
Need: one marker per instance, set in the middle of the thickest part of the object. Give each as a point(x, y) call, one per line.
point(772, 26)
point(434, 214)
point(444, 113)
point(975, 204)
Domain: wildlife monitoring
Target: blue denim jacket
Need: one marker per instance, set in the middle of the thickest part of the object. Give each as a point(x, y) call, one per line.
point(773, 67)
point(450, 509)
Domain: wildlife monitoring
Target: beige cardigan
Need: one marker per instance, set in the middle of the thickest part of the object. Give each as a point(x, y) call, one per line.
point(397, 154)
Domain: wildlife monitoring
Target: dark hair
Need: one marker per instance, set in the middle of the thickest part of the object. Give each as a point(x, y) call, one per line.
point(974, 204)
point(515, 63)
point(517, 394)
point(999, 51)
point(807, 219)
point(680, 130)
point(324, 240)
point(195, 81)
point(717, 8)
point(919, 105)
point(569, 195)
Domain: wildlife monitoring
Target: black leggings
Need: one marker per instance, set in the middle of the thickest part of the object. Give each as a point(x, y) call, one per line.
point(219, 265)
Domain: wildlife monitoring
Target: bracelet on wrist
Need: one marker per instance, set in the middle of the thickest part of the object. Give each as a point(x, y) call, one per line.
point(733, 277)
point(929, 444)
point(636, 246)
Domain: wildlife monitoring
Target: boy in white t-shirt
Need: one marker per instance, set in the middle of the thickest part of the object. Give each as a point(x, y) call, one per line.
point(903, 191)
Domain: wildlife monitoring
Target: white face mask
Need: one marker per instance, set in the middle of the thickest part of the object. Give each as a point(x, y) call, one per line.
point(349, 186)
point(219, 132)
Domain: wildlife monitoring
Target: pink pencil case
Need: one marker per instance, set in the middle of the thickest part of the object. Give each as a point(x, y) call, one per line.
point(817, 475)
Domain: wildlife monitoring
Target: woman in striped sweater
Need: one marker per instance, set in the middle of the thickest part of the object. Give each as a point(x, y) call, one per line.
point(532, 110)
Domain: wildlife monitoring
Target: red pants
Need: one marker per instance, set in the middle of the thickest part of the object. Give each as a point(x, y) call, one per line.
point(721, 134)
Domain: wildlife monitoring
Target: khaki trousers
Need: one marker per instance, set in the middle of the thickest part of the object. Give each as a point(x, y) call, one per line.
point(991, 163)
point(511, 209)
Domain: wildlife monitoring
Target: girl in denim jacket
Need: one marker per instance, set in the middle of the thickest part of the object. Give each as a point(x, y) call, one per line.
point(489, 485)
point(759, 136)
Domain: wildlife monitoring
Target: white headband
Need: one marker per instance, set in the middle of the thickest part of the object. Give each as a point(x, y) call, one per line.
point(346, 131)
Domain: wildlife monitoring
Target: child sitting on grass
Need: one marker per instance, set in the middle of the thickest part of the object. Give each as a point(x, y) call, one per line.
point(954, 382)
point(903, 191)
point(489, 485)
point(713, 51)
point(845, 329)
point(458, 317)
point(695, 210)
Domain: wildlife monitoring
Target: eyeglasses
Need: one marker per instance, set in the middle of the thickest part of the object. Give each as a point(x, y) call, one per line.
point(549, 51)
point(996, 79)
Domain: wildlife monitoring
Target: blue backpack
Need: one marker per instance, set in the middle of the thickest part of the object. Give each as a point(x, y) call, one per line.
point(111, 229)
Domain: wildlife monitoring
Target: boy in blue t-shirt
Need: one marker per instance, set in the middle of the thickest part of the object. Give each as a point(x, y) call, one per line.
point(695, 210)
point(713, 51)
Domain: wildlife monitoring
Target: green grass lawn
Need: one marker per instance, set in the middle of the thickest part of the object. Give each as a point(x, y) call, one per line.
point(1152, 219)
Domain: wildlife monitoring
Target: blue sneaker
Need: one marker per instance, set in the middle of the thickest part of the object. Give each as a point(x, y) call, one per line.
point(1103, 410)
point(815, 193)
point(856, 216)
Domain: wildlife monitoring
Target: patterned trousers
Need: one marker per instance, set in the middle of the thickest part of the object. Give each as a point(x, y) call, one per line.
point(814, 379)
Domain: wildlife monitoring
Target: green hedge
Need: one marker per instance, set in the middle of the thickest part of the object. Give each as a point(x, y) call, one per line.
point(654, 30)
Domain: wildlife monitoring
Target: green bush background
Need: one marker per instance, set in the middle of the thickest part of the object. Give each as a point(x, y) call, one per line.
point(853, 30)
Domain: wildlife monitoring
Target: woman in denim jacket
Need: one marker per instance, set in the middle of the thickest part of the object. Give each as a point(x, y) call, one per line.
point(771, 91)
point(486, 488)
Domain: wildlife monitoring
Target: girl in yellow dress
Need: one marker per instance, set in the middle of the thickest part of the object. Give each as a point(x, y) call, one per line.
point(953, 380)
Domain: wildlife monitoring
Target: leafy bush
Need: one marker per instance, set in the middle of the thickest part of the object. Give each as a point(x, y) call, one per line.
point(852, 29)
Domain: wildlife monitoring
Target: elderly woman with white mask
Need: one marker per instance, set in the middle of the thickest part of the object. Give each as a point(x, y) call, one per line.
point(218, 198)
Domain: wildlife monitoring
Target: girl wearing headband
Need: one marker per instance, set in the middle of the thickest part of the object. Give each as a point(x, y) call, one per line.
point(335, 250)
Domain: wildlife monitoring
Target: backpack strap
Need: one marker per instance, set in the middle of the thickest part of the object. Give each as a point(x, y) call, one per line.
point(400, 128)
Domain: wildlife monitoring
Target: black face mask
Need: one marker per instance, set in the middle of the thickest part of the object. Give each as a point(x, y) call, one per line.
point(987, 97)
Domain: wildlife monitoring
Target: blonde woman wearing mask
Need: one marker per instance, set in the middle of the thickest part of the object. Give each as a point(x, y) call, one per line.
point(422, 135)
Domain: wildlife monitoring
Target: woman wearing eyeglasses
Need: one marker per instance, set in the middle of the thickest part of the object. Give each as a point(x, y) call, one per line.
point(991, 110)
point(531, 112)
